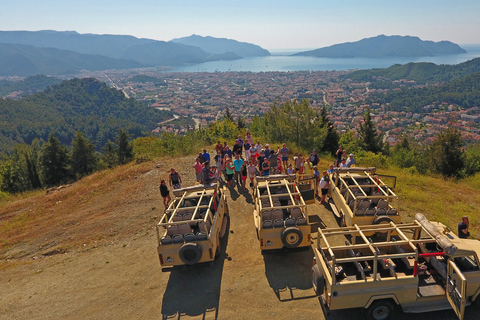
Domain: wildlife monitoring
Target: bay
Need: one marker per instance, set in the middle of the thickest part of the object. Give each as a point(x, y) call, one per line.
point(282, 61)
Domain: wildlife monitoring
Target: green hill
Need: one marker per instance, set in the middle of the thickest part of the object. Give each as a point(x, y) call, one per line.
point(386, 46)
point(422, 72)
point(85, 105)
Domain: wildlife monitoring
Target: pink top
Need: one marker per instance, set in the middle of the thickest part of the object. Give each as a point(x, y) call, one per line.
point(198, 167)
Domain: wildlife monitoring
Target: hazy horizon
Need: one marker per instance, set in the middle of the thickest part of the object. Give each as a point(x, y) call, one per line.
point(271, 24)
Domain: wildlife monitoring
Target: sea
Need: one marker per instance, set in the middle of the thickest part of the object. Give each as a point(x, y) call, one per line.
point(281, 60)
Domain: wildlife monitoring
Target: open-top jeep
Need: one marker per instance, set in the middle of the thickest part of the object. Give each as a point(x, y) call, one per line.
point(359, 196)
point(189, 232)
point(420, 266)
point(280, 213)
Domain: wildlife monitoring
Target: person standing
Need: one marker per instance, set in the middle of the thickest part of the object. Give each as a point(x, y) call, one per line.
point(219, 164)
point(198, 170)
point(463, 226)
point(316, 175)
point(244, 175)
point(175, 179)
point(165, 193)
point(206, 155)
point(251, 173)
point(273, 162)
point(207, 174)
point(230, 170)
point(307, 168)
point(267, 151)
point(330, 169)
point(284, 154)
point(339, 154)
point(324, 183)
point(238, 169)
point(265, 167)
point(314, 159)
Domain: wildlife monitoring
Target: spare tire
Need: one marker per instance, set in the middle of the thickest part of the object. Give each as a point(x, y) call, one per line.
point(318, 281)
point(382, 219)
point(190, 253)
point(292, 237)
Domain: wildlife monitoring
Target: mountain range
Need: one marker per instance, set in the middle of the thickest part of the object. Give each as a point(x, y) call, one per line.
point(26, 53)
point(386, 46)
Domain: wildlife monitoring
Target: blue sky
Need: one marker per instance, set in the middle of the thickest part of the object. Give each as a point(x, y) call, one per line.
point(272, 24)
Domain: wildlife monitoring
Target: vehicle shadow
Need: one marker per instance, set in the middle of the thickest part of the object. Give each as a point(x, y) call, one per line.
point(315, 223)
point(195, 290)
point(289, 273)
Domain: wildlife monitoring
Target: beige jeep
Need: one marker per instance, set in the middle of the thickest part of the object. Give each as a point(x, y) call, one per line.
point(190, 230)
point(280, 213)
point(360, 196)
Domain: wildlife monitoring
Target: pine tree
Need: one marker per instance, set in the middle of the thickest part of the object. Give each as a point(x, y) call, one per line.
point(446, 153)
point(84, 159)
point(54, 159)
point(367, 133)
point(331, 141)
point(125, 148)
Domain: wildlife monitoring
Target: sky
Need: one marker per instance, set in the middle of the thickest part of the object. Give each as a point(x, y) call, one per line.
point(271, 24)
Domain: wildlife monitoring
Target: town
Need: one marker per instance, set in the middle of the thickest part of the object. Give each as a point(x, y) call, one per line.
point(199, 98)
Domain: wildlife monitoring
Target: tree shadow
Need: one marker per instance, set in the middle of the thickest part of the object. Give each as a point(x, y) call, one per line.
point(195, 290)
point(289, 273)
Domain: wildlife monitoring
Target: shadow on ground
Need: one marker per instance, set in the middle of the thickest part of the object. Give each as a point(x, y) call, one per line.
point(289, 273)
point(195, 290)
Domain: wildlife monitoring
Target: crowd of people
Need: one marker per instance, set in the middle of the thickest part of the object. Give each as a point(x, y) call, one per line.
point(245, 160)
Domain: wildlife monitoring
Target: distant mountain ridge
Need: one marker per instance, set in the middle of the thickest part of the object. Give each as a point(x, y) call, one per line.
point(223, 45)
point(26, 60)
point(25, 53)
point(386, 46)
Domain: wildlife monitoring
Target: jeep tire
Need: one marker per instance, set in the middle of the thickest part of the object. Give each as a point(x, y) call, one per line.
point(291, 237)
point(190, 253)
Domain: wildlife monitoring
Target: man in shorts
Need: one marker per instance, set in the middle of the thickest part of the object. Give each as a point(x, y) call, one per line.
point(284, 154)
point(324, 183)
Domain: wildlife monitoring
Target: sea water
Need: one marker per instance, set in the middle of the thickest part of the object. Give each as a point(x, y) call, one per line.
point(281, 60)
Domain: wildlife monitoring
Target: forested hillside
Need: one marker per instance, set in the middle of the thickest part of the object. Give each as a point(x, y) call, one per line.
point(422, 72)
point(463, 92)
point(28, 85)
point(84, 105)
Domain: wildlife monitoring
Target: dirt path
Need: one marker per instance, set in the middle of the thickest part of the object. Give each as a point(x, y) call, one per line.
point(117, 275)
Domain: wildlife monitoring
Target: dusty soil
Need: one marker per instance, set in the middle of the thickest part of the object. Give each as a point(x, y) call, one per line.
point(89, 252)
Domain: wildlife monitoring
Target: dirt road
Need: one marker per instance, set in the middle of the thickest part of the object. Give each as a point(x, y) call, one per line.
point(118, 275)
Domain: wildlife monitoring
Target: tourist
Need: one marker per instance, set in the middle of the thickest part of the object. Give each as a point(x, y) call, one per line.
point(207, 175)
point(267, 151)
point(238, 168)
point(206, 155)
point(338, 155)
point(351, 161)
point(316, 175)
point(290, 169)
point(174, 179)
point(244, 173)
point(219, 164)
point(265, 167)
point(284, 154)
point(330, 169)
point(165, 193)
point(252, 170)
point(307, 168)
point(198, 169)
point(463, 228)
point(230, 171)
point(273, 159)
point(314, 159)
point(219, 147)
point(324, 183)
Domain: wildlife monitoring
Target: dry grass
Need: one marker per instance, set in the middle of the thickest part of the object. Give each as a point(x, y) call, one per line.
point(442, 200)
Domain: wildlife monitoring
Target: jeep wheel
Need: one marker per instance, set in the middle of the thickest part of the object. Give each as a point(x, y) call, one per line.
point(292, 237)
point(318, 281)
point(190, 253)
point(379, 310)
point(382, 220)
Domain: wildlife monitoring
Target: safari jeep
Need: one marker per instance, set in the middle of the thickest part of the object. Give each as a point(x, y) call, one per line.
point(419, 267)
point(359, 196)
point(280, 213)
point(189, 232)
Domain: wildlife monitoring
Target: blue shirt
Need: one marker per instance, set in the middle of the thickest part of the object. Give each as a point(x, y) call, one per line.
point(206, 156)
point(238, 164)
